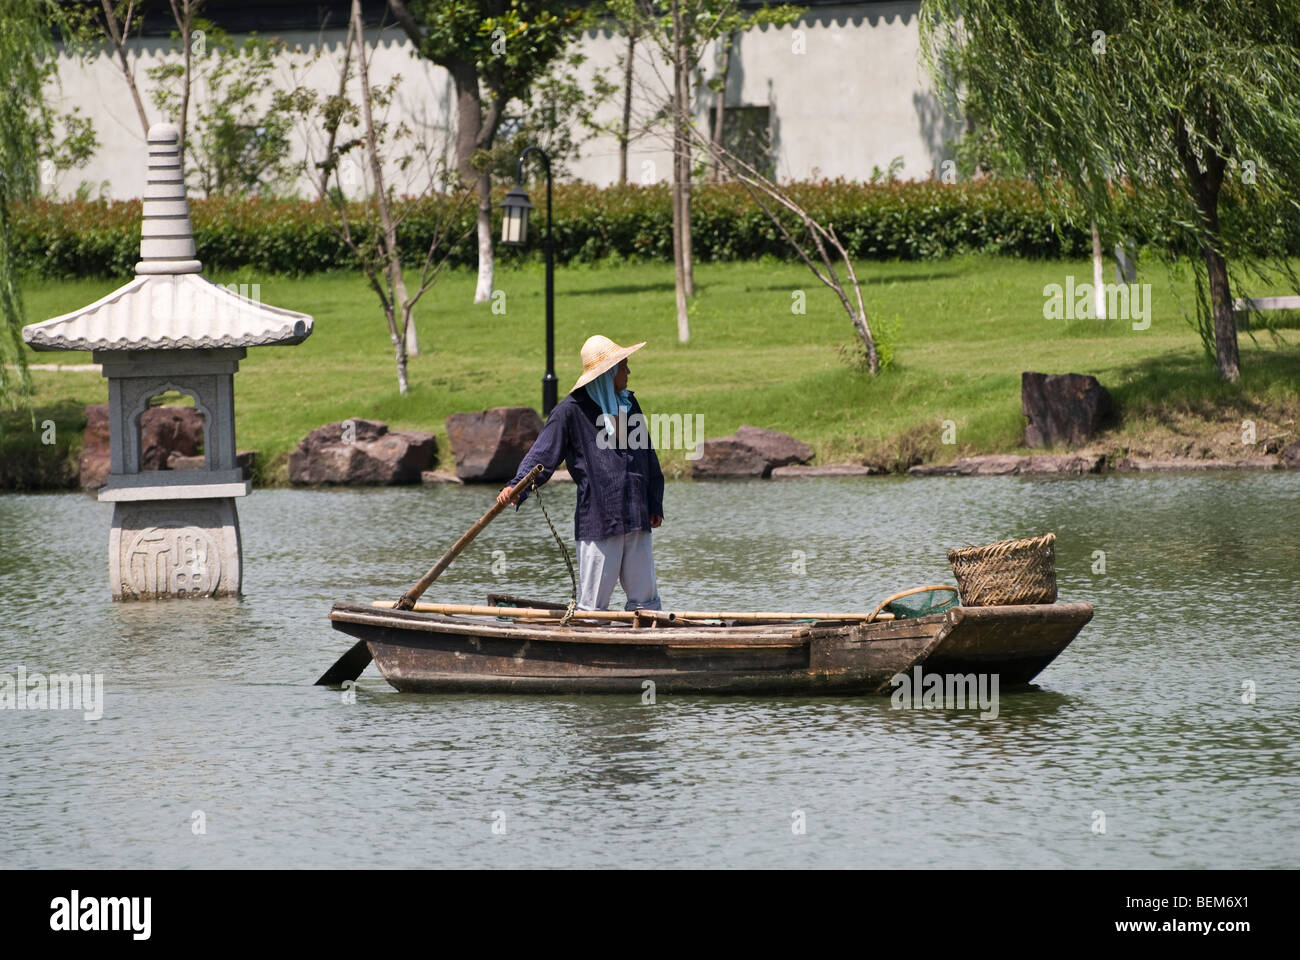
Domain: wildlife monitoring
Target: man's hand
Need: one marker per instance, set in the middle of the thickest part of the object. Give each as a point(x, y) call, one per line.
point(655, 520)
point(504, 495)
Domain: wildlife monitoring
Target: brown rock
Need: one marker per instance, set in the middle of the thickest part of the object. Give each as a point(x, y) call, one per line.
point(1266, 462)
point(349, 431)
point(780, 449)
point(1137, 465)
point(1075, 465)
point(439, 476)
point(95, 460)
point(1066, 408)
point(1005, 464)
point(724, 457)
point(167, 430)
point(825, 470)
point(1291, 455)
point(243, 458)
point(490, 445)
point(361, 453)
point(749, 452)
point(164, 432)
point(990, 465)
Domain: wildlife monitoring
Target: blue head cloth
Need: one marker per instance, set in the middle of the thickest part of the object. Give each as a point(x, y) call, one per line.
point(610, 402)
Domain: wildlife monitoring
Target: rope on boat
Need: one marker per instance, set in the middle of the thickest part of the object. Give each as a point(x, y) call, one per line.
point(573, 577)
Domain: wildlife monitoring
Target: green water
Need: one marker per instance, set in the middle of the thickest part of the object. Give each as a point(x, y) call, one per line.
point(209, 705)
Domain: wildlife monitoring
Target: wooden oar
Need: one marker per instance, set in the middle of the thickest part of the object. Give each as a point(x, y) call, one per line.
point(349, 666)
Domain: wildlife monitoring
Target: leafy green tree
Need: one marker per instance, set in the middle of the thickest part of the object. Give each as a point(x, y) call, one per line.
point(67, 141)
point(495, 50)
point(1185, 116)
point(238, 140)
point(556, 114)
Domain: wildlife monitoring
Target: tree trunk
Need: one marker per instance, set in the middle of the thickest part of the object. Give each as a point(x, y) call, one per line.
point(483, 291)
point(408, 319)
point(625, 133)
point(681, 209)
point(1225, 321)
point(399, 351)
point(1205, 186)
point(469, 117)
point(469, 127)
point(401, 301)
point(412, 338)
point(119, 37)
point(183, 14)
point(720, 109)
point(688, 258)
point(398, 299)
point(1098, 278)
point(868, 341)
point(679, 268)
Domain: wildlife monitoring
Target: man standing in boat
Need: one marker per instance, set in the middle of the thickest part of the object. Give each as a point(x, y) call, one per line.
point(620, 485)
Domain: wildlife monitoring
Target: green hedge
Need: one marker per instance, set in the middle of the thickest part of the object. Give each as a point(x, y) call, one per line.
point(908, 221)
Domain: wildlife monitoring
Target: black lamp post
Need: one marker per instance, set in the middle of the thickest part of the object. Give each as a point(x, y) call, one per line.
point(514, 230)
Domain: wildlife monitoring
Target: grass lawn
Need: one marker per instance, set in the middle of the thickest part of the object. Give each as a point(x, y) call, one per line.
point(963, 331)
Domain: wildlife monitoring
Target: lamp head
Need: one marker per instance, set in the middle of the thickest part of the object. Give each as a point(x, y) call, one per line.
point(514, 216)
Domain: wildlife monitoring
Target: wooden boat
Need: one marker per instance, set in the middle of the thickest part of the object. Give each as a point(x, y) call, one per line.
point(426, 651)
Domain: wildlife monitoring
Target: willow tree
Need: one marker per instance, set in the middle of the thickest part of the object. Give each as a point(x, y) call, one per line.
point(26, 55)
point(1183, 116)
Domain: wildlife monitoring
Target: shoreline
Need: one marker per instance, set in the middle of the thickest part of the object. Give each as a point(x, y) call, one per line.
point(1049, 466)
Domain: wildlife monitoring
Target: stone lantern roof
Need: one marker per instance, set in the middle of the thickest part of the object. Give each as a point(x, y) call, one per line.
point(169, 305)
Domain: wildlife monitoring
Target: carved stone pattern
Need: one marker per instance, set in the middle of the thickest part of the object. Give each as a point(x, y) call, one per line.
point(173, 560)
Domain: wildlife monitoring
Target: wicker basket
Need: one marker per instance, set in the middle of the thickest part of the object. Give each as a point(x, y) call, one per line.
point(1008, 572)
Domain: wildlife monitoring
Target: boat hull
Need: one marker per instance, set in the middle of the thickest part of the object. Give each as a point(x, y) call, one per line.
point(432, 653)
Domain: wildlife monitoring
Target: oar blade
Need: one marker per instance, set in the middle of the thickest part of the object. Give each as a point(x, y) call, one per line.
point(347, 667)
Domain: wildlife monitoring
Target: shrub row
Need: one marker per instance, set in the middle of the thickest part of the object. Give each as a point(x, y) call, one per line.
point(907, 221)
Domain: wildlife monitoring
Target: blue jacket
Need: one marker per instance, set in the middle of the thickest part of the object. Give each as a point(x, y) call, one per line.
point(618, 489)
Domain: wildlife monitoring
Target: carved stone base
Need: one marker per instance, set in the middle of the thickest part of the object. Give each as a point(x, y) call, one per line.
point(174, 548)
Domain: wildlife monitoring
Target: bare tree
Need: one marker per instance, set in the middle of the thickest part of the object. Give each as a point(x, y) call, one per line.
point(683, 259)
point(719, 85)
point(625, 130)
point(119, 32)
point(681, 30)
point(116, 21)
point(370, 227)
point(813, 241)
point(184, 12)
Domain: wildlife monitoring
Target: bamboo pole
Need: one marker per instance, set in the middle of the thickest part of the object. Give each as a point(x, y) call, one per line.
point(538, 613)
point(407, 600)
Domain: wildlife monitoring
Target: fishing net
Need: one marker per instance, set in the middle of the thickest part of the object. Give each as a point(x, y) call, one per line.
point(924, 604)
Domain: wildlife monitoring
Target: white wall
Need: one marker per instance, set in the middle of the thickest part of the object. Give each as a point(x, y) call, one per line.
point(856, 97)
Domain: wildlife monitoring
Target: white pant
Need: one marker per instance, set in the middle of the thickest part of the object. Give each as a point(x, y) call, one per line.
point(628, 558)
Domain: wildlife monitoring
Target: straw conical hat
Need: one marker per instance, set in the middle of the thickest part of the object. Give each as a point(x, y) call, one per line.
point(600, 354)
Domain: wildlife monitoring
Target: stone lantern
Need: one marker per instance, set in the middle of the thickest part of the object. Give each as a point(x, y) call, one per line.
point(175, 533)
